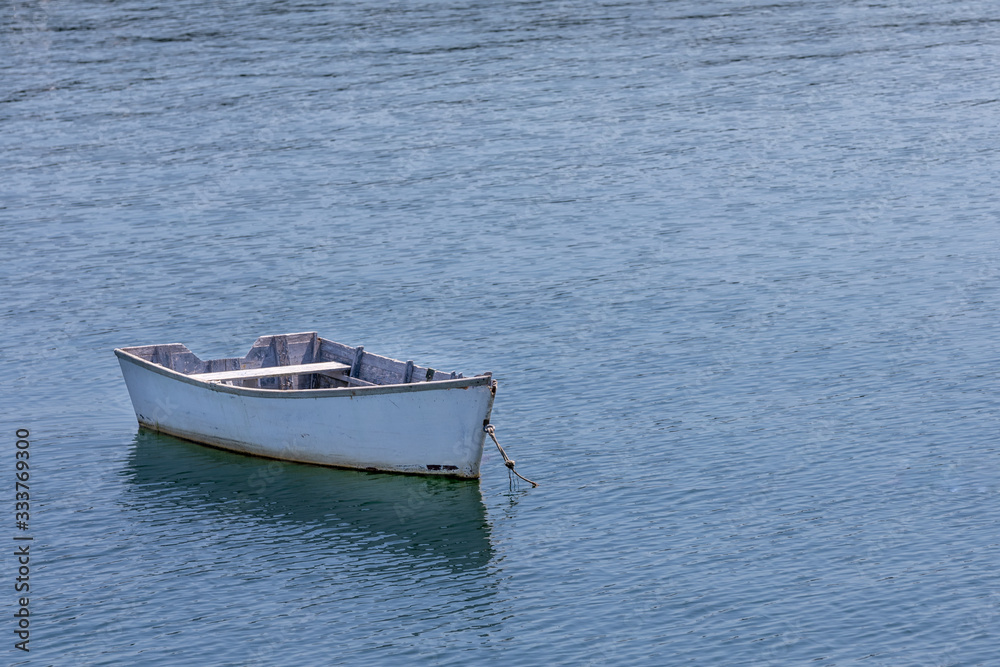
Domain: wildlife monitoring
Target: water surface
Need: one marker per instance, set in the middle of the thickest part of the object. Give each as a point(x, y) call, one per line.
point(734, 265)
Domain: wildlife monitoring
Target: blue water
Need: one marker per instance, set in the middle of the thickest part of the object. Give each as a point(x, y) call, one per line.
point(734, 264)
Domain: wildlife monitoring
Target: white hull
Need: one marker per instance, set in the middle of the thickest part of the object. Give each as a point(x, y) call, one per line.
point(430, 428)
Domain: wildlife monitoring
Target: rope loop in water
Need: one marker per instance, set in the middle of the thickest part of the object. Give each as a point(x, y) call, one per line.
point(507, 461)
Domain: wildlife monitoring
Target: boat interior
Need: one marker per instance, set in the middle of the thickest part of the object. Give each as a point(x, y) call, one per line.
point(292, 362)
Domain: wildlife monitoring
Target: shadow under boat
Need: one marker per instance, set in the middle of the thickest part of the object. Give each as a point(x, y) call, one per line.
point(432, 518)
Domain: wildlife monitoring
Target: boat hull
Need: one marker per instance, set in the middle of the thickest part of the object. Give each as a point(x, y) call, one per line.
point(428, 428)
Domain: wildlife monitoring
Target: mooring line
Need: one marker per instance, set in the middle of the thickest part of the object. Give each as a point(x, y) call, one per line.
point(507, 461)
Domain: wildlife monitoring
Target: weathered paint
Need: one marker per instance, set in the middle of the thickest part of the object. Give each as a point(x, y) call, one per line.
point(421, 427)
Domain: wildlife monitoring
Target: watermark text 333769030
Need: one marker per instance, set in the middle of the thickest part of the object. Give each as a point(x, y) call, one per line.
point(22, 539)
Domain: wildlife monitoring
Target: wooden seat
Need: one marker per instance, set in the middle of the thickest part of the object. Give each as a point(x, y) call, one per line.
point(273, 371)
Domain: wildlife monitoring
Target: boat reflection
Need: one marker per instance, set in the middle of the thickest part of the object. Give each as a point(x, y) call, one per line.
point(439, 520)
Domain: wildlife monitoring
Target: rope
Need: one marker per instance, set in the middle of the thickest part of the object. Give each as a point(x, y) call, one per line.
point(507, 461)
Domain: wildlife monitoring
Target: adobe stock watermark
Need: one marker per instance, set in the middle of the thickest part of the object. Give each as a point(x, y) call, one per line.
point(22, 540)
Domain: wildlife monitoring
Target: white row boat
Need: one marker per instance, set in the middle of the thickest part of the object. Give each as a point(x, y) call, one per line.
point(299, 397)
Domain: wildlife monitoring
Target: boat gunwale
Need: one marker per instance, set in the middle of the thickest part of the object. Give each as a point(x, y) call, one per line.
point(333, 392)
